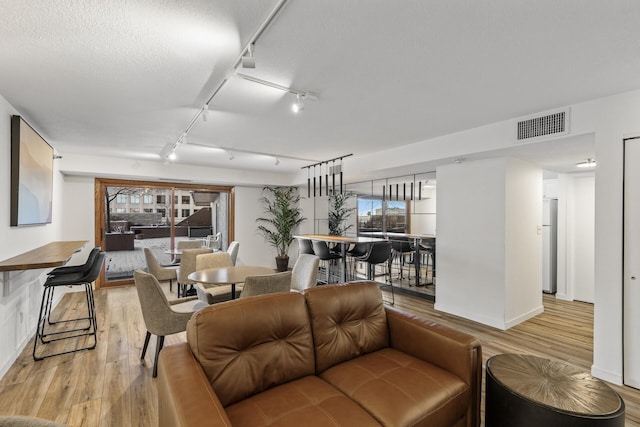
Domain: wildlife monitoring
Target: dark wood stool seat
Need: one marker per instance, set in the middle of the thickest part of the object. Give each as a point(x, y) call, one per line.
point(524, 391)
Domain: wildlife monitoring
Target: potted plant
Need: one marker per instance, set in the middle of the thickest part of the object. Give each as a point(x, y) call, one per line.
point(282, 214)
point(339, 212)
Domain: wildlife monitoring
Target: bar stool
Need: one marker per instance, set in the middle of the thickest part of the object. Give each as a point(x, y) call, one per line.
point(378, 253)
point(321, 250)
point(358, 250)
point(81, 278)
point(400, 250)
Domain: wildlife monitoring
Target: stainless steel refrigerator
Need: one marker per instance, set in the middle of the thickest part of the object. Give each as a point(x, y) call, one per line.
point(549, 245)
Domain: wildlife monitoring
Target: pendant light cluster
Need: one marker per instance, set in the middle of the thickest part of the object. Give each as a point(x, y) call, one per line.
point(318, 169)
point(392, 192)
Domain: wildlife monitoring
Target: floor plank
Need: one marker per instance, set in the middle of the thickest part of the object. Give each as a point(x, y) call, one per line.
point(110, 385)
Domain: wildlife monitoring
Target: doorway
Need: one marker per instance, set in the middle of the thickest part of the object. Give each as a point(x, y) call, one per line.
point(631, 263)
point(132, 216)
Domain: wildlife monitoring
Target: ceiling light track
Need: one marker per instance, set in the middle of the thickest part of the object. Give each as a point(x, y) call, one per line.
point(298, 93)
point(232, 151)
point(247, 50)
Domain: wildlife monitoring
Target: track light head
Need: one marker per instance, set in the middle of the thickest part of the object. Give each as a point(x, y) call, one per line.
point(248, 61)
point(277, 161)
point(172, 155)
point(205, 112)
point(298, 105)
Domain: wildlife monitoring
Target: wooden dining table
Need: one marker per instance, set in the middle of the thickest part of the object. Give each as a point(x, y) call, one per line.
point(344, 242)
point(229, 275)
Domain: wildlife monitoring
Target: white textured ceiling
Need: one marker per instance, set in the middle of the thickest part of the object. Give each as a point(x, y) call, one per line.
point(96, 76)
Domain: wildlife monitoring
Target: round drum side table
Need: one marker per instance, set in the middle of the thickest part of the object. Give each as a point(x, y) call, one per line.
point(523, 391)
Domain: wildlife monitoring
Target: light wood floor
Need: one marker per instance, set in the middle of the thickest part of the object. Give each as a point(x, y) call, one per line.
point(109, 386)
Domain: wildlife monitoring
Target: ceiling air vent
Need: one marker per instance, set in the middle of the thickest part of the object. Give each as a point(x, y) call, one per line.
point(536, 127)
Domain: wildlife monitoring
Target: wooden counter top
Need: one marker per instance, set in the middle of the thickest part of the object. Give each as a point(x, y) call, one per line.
point(51, 255)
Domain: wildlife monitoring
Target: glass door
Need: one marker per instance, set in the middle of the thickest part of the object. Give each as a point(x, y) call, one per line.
point(132, 216)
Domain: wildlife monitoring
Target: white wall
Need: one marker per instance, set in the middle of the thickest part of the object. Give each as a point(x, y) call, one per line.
point(19, 310)
point(489, 266)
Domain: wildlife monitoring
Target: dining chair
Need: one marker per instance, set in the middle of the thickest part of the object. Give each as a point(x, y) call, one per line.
point(305, 272)
point(267, 284)
point(189, 244)
point(160, 317)
point(188, 266)
point(161, 273)
point(321, 249)
point(211, 294)
point(232, 250)
point(213, 241)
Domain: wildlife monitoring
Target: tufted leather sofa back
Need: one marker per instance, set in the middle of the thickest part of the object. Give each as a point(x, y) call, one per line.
point(347, 320)
point(252, 344)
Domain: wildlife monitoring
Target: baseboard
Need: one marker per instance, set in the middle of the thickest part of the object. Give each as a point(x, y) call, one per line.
point(489, 321)
point(526, 316)
point(603, 374)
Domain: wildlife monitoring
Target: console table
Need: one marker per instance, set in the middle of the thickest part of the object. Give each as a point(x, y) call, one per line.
point(51, 255)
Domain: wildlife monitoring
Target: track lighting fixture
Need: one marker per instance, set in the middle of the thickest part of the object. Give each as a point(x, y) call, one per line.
point(205, 112)
point(589, 163)
point(248, 61)
point(277, 161)
point(172, 155)
point(299, 105)
point(231, 156)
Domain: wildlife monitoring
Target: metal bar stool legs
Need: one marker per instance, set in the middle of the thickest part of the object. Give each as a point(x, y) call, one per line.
point(49, 331)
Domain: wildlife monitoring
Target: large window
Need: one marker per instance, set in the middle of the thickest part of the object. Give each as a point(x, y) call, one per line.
point(147, 199)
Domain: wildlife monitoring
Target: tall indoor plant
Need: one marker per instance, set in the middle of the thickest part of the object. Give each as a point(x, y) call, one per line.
point(282, 214)
point(339, 212)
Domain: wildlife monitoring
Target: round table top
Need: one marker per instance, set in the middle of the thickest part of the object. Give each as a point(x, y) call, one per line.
point(554, 384)
point(228, 275)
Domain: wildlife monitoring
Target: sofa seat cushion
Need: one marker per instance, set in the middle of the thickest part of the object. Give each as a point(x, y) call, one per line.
point(400, 390)
point(308, 401)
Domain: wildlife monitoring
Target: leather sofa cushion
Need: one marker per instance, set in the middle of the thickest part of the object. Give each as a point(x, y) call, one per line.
point(347, 320)
point(252, 344)
point(308, 402)
point(400, 390)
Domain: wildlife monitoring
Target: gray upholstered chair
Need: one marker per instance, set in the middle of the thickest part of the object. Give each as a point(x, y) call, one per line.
point(232, 250)
point(211, 294)
point(305, 272)
point(189, 244)
point(267, 284)
point(162, 273)
point(160, 317)
point(188, 266)
point(16, 421)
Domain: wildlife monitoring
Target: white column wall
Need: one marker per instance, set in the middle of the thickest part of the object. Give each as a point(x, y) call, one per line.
point(471, 241)
point(523, 244)
point(489, 264)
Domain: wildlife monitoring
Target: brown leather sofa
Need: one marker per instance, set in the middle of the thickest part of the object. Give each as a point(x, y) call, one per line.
point(330, 356)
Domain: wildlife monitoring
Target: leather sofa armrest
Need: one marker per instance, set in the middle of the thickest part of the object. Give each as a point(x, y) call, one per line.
point(185, 397)
point(451, 350)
